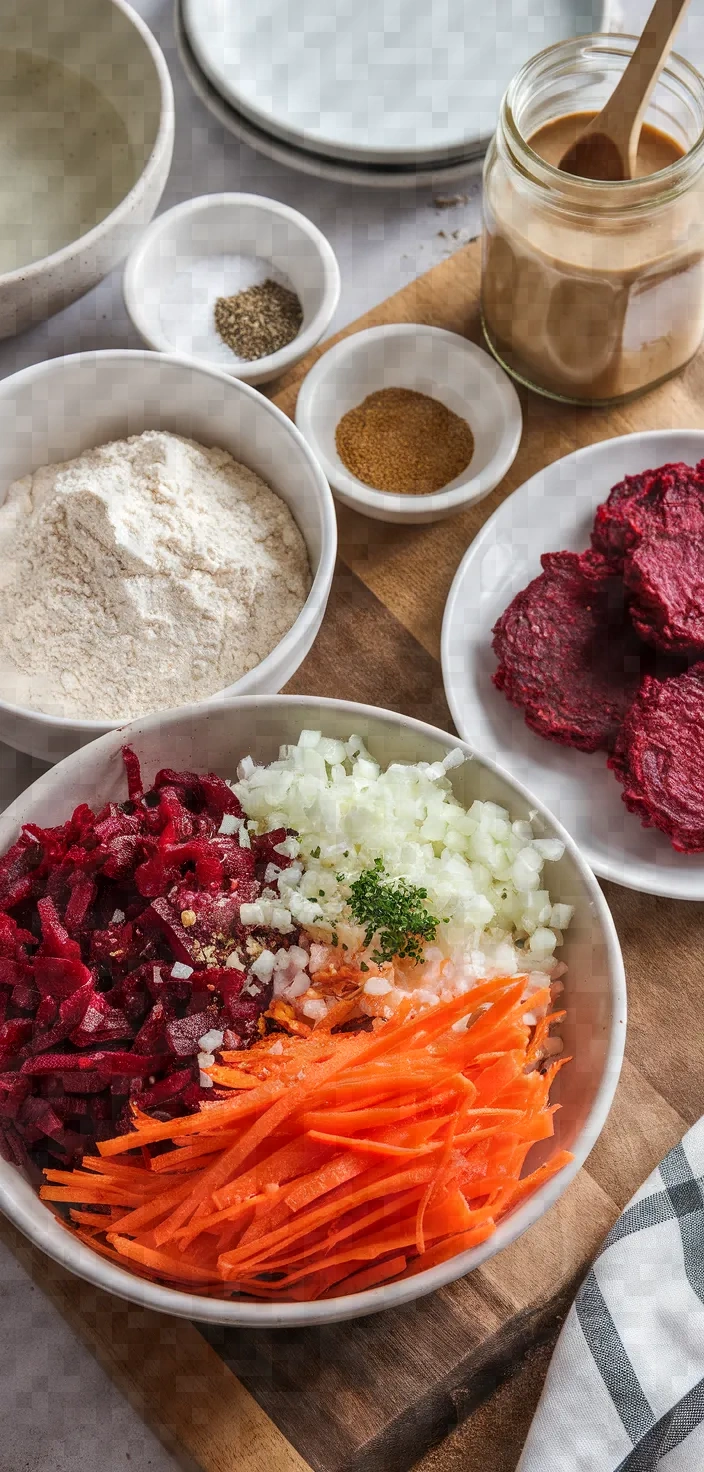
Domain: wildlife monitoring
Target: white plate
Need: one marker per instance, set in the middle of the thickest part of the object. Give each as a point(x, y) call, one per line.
point(383, 80)
point(308, 162)
point(552, 511)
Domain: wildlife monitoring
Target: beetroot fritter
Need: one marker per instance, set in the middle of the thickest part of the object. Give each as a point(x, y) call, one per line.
point(668, 500)
point(568, 655)
point(659, 758)
point(665, 576)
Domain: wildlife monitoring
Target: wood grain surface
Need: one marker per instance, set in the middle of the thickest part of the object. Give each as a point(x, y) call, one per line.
point(375, 1395)
point(167, 1371)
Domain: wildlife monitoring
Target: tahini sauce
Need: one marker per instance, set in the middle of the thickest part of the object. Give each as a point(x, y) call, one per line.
point(587, 307)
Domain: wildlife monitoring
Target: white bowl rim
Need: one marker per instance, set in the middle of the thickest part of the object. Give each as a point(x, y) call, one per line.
point(328, 554)
point(469, 491)
point(104, 1274)
point(164, 133)
point(276, 362)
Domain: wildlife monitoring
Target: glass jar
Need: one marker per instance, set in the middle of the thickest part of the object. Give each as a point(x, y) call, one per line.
point(592, 292)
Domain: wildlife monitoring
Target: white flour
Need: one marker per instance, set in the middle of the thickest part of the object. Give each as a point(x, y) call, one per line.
point(144, 574)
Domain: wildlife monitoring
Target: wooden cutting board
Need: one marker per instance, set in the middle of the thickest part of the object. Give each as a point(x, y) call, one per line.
point(372, 1396)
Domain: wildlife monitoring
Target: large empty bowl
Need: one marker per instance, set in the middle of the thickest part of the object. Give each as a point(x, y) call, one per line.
point(214, 737)
point(86, 136)
point(51, 412)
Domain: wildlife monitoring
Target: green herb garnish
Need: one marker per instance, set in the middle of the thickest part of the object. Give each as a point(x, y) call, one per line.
point(394, 910)
point(315, 852)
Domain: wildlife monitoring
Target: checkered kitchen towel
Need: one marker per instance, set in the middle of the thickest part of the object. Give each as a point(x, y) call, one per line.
point(625, 1389)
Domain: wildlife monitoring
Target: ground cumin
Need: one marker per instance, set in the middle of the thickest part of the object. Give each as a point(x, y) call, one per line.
point(401, 441)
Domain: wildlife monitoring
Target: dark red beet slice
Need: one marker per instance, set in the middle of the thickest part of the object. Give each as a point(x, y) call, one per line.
point(207, 791)
point(12, 973)
point(183, 1034)
point(83, 893)
point(110, 902)
point(659, 758)
point(14, 1089)
point(100, 1023)
point(90, 1082)
point(171, 1087)
point(133, 773)
point(151, 1037)
point(46, 1014)
point(669, 498)
point(244, 1017)
point(13, 1035)
point(59, 976)
point(56, 941)
point(39, 1114)
point(70, 1014)
point(12, 1146)
point(568, 656)
point(665, 574)
point(168, 921)
point(126, 1065)
point(25, 996)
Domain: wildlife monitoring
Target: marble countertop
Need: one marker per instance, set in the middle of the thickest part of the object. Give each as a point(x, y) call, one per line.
point(59, 1411)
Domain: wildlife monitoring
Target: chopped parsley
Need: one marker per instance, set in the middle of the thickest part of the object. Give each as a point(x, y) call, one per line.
point(315, 852)
point(393, 909)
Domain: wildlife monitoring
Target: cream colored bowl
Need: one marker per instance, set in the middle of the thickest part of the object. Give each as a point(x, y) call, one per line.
point(52, 411)
point(86, 137)
point(214, 737)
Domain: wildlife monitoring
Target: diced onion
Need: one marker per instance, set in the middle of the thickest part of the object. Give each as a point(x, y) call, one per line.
point(481, 870)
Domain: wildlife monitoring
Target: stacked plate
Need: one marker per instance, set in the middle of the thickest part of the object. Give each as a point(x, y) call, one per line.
point(375, 92)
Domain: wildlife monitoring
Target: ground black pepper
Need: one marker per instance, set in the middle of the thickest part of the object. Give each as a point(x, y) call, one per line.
point(260, 320)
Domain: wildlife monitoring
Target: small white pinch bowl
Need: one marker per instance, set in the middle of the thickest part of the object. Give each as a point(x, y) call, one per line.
point(109, 46)
point(441, 364)
point(218, 227)
point(53, 411)
point(213, 737)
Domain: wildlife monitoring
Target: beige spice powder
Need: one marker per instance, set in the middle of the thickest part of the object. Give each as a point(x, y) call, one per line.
point(405, 442)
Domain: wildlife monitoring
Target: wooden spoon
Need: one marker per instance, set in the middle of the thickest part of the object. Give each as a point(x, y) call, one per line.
point(608, 147)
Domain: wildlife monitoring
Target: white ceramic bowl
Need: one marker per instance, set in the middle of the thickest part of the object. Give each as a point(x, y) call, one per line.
point(434, 362)
point(185, 261)
point(54, 410)
point(215, 737)
point(108, 46)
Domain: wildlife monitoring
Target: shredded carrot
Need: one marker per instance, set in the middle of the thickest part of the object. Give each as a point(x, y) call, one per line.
point(339, 1163)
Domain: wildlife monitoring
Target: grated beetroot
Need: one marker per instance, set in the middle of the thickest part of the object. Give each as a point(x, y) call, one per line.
point(94, 915)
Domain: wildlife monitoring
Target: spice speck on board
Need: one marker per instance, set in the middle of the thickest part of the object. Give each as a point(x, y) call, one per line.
point(404, 442)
